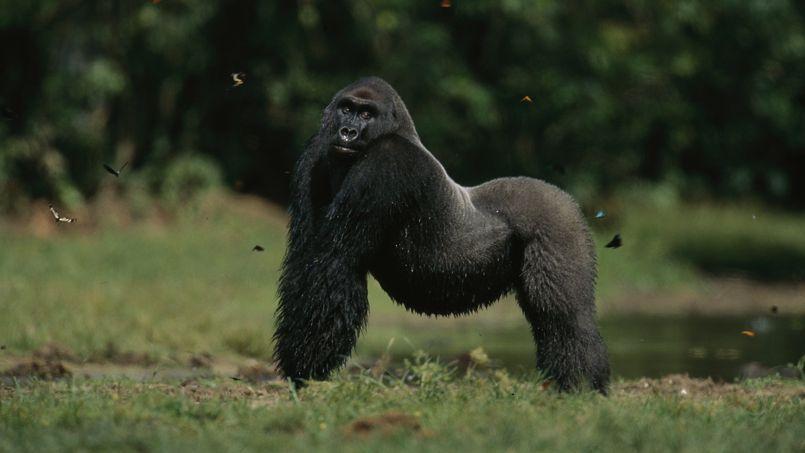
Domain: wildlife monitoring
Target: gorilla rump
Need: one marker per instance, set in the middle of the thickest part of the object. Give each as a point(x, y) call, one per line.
point(368, 197)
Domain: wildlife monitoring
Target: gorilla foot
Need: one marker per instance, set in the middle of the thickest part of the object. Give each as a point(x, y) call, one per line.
point(575, 367)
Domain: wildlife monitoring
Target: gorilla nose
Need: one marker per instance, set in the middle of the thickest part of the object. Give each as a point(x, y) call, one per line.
point(348, 134)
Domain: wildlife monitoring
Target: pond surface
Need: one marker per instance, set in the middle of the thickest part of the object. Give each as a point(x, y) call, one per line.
point(713, 346)
point(721, 347)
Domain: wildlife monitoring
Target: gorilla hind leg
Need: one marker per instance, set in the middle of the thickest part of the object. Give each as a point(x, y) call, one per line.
point(557, 296)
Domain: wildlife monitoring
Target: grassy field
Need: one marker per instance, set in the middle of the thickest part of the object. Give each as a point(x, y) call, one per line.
point(193, 284)
point(429, 409)
point(152, 315)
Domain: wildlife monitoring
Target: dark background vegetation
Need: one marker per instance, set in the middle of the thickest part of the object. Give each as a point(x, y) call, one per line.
point(702, 98)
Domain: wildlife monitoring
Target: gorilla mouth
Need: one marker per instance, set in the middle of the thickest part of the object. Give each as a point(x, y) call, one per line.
point(344, 151)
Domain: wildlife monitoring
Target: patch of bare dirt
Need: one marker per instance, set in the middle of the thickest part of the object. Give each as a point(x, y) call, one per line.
point(254, 371)
point(256, 396)
point(112, 354)
point(259, 396)
point(683, 385)
point(202, 360)
point(384, 424)
point(38, 369)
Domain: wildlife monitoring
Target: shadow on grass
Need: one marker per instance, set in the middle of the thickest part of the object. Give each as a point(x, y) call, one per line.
point(767, 260)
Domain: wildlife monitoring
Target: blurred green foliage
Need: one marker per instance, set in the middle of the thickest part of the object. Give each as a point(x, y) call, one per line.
point(188, 176)
point(704, 98)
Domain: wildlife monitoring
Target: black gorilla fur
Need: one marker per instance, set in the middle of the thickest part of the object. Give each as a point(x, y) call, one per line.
point(367, 196)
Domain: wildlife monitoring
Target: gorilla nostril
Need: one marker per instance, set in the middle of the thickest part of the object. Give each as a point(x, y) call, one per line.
point(348, 133)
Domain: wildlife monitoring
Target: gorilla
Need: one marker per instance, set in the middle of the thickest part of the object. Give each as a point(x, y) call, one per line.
point(368, 197)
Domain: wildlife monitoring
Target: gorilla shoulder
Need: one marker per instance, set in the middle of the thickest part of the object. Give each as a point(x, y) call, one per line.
point(531, 207)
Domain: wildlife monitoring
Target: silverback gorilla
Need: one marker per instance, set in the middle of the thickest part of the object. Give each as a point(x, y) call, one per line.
point(368, 197)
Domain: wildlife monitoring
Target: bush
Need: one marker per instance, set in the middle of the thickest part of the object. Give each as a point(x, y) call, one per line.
point(187, 177)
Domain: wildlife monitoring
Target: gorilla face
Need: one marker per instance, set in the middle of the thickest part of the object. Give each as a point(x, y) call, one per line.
point(359, 115)
point(355, 124)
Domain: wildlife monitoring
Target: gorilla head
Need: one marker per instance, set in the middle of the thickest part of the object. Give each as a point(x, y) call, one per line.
point(362, 113)
point(368, 197)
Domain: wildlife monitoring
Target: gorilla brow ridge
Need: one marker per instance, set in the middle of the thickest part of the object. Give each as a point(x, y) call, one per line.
point(364, 93)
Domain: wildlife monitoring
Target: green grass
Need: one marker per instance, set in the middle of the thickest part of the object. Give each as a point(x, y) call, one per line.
point(193, 285)
point(441, 412)
point(675, 246)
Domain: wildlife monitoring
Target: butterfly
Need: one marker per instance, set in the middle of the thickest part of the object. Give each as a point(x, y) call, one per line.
point(600, 214)
point(257, 248)
point(446, 4)
point(526, 99)
point(615, 242)
point(748, 333)
point(58, 217)
point(239, 78)
point(113, 171)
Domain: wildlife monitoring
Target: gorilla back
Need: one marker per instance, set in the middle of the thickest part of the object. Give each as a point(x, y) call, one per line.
point(367, 196)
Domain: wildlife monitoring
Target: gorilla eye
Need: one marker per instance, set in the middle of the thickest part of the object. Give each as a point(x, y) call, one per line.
point(366, 114)
point(346, 109)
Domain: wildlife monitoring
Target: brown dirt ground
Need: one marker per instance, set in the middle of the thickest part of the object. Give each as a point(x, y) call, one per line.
point(254, 371)
point(264, 395)
point(37, 369)
point(384, 424)
point(685, 386)
point(260, 381)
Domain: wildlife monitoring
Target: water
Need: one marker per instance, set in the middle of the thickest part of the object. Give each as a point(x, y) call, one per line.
point(648, 346)
point(702, 346)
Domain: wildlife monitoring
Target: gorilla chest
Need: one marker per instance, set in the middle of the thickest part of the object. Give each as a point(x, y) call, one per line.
point(434, 267)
